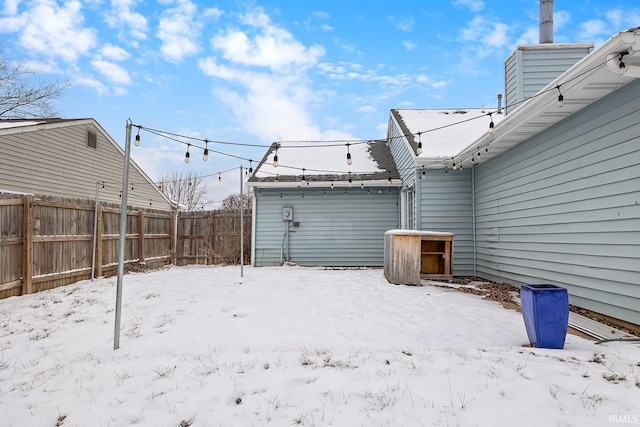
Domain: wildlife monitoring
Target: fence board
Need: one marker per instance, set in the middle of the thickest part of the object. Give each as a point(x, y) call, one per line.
point(46, 242)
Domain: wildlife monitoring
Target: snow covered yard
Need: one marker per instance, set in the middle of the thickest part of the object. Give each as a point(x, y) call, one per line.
point(286, 346)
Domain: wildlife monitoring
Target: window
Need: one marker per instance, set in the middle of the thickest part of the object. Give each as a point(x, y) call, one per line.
point(408, 209)
point(92, 139)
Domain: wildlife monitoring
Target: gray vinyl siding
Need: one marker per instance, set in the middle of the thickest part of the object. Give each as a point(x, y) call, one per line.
point(446, 205)
point(401, 153)
point(56, 161)
point(530, 68)
point(334, 229)
point(564, 208)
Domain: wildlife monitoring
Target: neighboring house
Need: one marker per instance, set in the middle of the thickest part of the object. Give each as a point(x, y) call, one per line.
point(66, 158)
point(552, 195)
point(308, 212)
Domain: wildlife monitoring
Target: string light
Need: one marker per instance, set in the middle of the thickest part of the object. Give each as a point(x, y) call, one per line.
point(350, 181)
point(332, 184)
point(560, 97)
point(137, 141)
point(622, 64)
point(362, 184)
point(219, 177)
point(491, 124)
point(424, 174)
point(419, 150)
point(349, 161)
point(303, 181)
point(389, 180)
point(205, 155)
point(250, 171)
point(187, 156)
point(275, 158)
point(277, 180)
point(453, 165)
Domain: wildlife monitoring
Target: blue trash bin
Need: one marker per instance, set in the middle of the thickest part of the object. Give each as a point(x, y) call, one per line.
point(545, 309)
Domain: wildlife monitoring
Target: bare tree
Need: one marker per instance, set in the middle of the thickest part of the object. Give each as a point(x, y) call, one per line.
point(232, 203)
point(187, 189)
point(20, 98)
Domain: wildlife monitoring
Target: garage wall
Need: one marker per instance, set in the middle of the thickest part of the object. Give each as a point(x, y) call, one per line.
point(339, 227)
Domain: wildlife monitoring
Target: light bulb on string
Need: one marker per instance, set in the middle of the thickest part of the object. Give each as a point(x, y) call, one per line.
point(349, 161)
point(389, 179)
point(250, 172)
point(303, 181)
point(423, 175)
point(491, 124)
point(560, 98)
point(275, 158)
point(419, 150)
point(453, 165)
point(205, 155)
point(187, 156)
point(219, 177)
point(137, 141)
point(350, 181)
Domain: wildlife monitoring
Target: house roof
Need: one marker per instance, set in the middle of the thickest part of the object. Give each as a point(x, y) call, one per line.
point(590, 79)
point(326, 161)
point(444, 133)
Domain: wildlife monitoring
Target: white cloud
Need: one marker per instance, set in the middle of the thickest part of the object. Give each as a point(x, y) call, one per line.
point(594, 28)
point(11, 7)
point(90, 82)
point(114, 53)
point(560, 19)
point(366, 109)
point(405, 24)
point(472, 5)
point(486, 32)
point(212, 12)
point(51, 30)
point(271, 47)
point(409, 45)
point(179, 30)
point(113, 72)
point(531, 36)
point(131, 23)
point(623, 19)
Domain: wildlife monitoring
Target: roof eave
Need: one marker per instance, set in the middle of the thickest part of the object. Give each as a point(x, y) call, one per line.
point(581, 85)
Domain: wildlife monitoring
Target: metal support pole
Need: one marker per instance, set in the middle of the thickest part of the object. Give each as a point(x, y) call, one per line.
point(95, 232)
point(123, 235)
point(241, 224)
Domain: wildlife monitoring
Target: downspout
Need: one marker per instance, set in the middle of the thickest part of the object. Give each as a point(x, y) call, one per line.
point(473, 220)
point(254, 210)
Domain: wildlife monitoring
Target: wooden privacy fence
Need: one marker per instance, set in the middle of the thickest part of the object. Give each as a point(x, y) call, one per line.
point(45, 243)
point(212, 237)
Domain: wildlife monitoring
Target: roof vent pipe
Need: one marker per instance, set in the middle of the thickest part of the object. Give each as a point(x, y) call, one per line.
point(546, 21)
point(499, 103)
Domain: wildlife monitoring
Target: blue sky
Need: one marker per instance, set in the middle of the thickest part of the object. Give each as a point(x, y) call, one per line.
point(261, 71)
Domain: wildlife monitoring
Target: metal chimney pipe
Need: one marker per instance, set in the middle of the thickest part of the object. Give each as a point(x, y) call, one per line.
point(546, 21)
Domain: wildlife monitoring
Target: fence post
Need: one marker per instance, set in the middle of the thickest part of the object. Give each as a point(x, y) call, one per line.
point(99, 233)
point(211, 238)
point(141, 236)
point(174, 237)
point(27, 265)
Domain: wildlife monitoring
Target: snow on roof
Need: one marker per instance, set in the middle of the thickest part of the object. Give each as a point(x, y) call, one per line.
point(320, 158)
point(445, 133)
point(17, 123)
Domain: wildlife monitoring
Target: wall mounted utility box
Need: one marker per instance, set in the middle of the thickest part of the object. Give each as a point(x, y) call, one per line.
point(412, 255)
